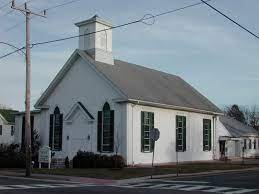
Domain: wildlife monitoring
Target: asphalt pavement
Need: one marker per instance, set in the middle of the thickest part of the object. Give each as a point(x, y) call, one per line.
point(231, 183)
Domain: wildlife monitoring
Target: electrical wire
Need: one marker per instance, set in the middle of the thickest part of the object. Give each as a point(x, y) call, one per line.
point(11, 11)
point(244, 28)
point(8, 44)
point(144, 18)
point(5, 5)
point(49, 8)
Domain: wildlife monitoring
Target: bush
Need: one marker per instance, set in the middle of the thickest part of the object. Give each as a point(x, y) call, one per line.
point(11, 156)
point(91, 160)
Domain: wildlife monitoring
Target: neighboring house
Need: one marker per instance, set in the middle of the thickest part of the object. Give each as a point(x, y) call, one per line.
point(102, 105)
point(237, 139)
point(7, 122)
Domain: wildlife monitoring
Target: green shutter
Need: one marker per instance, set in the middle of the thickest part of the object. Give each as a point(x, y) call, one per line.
point(206, 131)
point(184, 133)
point(176, 133)
point(142, 131)
point(112, 130)
point(60, 132)
point(151, 116)
point(99, 131)
point(51, 131)
point(209, 141)
point(203, 130)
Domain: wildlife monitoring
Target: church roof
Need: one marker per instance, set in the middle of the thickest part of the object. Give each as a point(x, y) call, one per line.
point(236, 128)
point(144, 85)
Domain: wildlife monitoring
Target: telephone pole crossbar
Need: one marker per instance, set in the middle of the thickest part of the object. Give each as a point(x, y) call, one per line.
point(27, 12)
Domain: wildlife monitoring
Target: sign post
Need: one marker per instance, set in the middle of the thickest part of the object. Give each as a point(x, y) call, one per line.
point(45, 156)
point(154, 136)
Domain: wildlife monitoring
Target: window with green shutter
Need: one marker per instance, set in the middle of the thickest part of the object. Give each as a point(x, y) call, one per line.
point(147, 123)
point(180, 133)
point(206, 134)
point(105, 129)
point(56, 130)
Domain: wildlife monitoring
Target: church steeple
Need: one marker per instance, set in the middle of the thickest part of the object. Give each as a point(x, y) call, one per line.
point(98, 45)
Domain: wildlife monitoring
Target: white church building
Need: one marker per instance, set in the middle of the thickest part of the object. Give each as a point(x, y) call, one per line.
point(99, 104)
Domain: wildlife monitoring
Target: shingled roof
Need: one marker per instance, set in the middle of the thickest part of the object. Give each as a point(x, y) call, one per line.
point(141, 83)
point(8, 115)
point(236, 128)
point(138, 83)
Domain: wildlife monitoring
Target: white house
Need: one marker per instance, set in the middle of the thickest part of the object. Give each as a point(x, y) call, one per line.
point(99, 104)
point(236, 139)
point(7, 123)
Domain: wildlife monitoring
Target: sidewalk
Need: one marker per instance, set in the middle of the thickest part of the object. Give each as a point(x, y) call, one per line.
point(57, 178)
point(85, 180)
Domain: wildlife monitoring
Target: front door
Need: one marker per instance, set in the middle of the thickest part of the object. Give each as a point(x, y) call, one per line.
point(222, 148)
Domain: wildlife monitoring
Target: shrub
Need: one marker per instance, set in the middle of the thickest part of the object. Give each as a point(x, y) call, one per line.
point(11, 156)
point(91, 160)
point(118, 161)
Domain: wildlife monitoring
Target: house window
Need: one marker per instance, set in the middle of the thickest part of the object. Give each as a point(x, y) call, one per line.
point(147, 123)
point(250, 144)
point(206, 134)
point(180, 133)
point(245, 146)
point(254, 143)
point(105, 129)
point(55, 130)
point(1, 130)
point(12, 130)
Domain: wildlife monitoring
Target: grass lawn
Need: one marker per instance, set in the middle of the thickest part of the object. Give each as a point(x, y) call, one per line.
point(140, 172)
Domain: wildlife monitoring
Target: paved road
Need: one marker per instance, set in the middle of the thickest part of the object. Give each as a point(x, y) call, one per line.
point(231, 183)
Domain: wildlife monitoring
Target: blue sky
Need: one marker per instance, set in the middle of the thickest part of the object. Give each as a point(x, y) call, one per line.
point(209, 52)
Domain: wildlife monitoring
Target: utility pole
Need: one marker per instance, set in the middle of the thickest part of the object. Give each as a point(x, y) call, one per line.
point(27, 12)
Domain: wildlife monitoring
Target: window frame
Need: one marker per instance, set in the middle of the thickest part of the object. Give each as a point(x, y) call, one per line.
point(12, 131)
point(180, 119)
point(250, 144)
point(207, 134)
point(105, 127)
point(56, 126)
point(147, 123)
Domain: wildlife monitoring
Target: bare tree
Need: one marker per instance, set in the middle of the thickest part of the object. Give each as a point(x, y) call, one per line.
point(254, 117)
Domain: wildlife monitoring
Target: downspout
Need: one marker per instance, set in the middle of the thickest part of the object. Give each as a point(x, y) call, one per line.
point(132, 130)
point(214, 136)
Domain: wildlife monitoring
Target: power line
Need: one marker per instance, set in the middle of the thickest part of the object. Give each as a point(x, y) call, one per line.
point(230, 19)
point(50, 8)
point(114, 27)
point(11, 11)
point(15, 51)
point(62, 4)
point(11, 45)
point(5, 5)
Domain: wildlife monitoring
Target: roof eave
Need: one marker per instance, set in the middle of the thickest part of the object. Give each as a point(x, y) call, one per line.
point(168, 106)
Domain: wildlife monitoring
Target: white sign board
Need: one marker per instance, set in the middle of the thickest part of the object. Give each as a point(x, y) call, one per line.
point(44, 155)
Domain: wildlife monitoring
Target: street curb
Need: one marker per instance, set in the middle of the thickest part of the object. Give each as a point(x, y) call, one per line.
point(38, 179)
point(156, 177)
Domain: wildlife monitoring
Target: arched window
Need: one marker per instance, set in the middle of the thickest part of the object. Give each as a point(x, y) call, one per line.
point(105, 129)
point(55, 130)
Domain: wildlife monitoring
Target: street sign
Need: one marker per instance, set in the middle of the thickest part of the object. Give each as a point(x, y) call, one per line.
point(45, 156)
point(154, 134)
